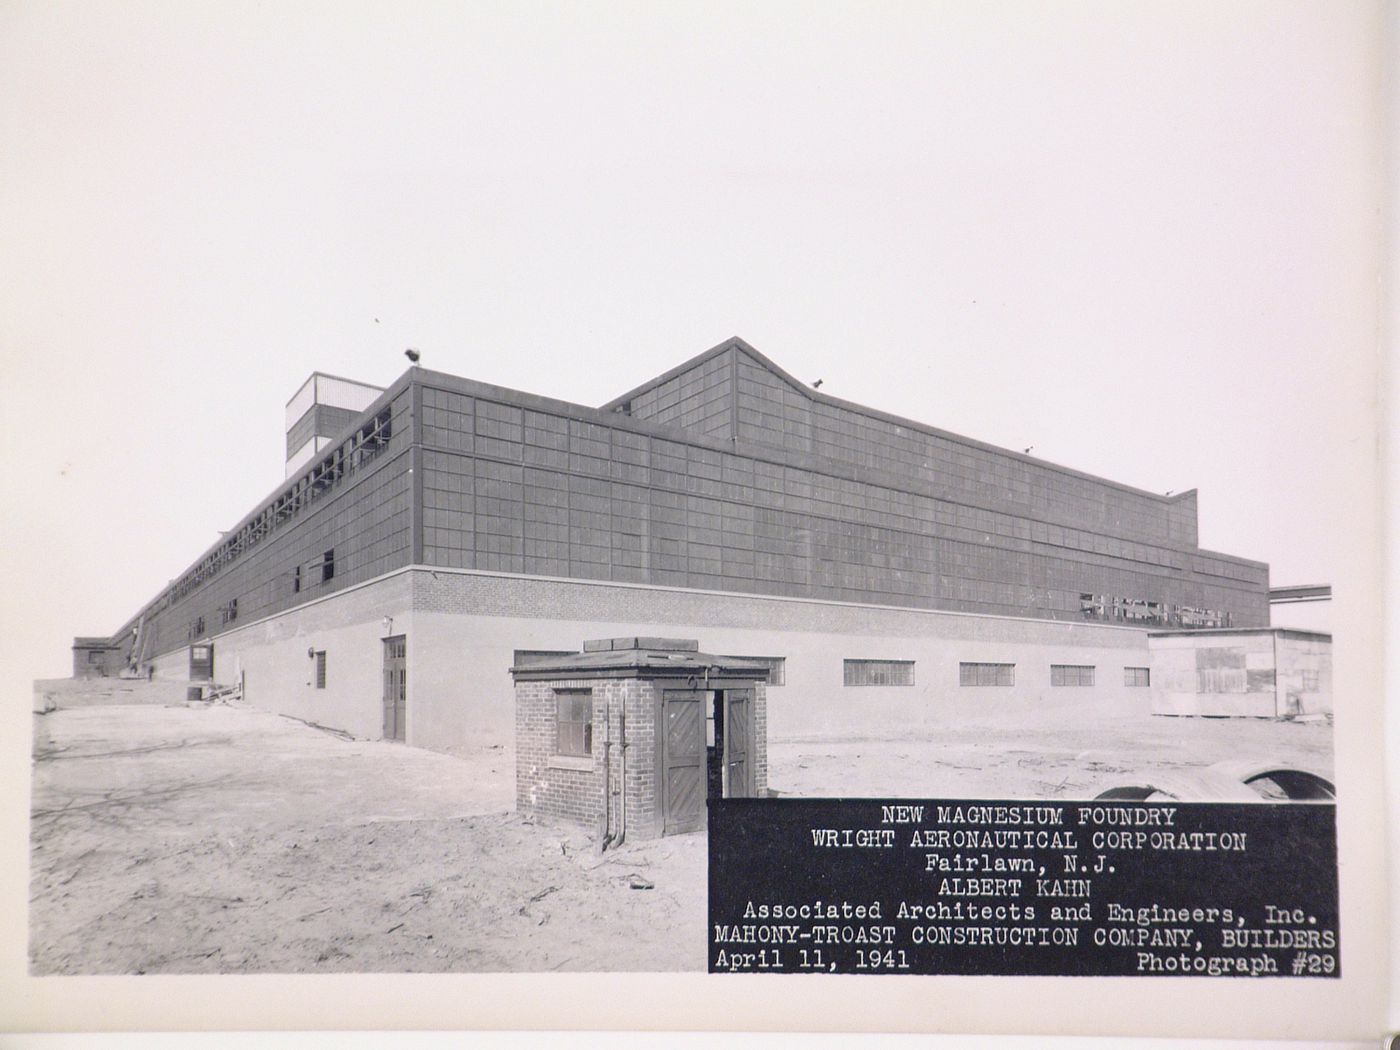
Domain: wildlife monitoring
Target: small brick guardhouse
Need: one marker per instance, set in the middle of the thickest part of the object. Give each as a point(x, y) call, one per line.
point(632, 735)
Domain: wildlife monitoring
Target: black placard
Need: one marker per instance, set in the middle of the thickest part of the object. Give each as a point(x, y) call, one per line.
point(959, 886)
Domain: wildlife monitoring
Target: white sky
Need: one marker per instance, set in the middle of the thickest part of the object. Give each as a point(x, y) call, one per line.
point(1139, 237)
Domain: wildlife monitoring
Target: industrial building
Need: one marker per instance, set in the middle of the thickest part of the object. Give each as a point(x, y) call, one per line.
point(433, 535)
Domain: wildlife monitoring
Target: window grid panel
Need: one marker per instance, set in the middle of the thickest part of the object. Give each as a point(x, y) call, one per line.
point(878, 672)
point(1071, 675)
point(986, 674)
point(574, 717)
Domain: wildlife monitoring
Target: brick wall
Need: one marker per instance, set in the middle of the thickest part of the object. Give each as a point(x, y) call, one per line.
point(643, 806)
point(543, 785)
point(760, 740)
point(555, 787)
point(546, 788)
point(483, 594)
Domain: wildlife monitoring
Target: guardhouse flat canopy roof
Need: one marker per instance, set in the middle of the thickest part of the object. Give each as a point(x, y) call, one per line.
point(640, 658)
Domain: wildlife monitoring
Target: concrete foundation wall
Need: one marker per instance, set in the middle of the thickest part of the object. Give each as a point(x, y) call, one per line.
point(279, 676)
point(459, 685)
point(175, 666)
point(462, 630)
point(52, 693)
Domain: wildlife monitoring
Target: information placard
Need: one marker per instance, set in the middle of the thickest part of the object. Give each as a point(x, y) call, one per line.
point(1004, 887)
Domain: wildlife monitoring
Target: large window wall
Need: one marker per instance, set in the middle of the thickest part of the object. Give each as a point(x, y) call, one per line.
point(517, 488)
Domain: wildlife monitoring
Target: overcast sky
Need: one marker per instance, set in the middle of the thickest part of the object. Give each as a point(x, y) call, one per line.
point(1133, 236)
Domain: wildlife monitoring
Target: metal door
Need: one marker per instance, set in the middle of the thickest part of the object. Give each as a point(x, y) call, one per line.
point(738, 740)
point(683, 760)
point(395, 687)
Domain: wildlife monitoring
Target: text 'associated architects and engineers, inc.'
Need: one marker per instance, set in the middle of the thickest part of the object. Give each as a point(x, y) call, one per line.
point(1005, 888)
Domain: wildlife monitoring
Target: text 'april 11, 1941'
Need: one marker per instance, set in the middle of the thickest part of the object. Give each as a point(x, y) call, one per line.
point(991, 887)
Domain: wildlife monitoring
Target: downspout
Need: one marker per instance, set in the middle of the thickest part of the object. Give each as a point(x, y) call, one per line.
point(622, 805)
point(607, 778)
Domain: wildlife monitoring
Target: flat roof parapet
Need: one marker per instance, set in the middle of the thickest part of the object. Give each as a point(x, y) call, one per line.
point(1192, 632)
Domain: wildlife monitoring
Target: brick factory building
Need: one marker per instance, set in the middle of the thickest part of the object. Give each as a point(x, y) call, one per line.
point(432, 535)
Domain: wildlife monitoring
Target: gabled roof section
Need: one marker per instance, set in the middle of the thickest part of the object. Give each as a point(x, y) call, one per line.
point(725, 417)
point(732, 343)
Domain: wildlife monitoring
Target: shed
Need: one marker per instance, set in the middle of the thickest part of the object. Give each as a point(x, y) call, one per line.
point(97, 658)
point(1267, 672)
point(631, 735)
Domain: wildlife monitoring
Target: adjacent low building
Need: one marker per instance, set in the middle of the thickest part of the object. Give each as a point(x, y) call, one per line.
point(884, 571)
point(97, 658)
point(1273, 673)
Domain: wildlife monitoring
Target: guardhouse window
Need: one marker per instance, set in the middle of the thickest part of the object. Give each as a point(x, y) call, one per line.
point(1311, 682)
point(574, 718)
point(1071, 674)
point(328, 565)
point(320, 669)
point(879, 672)
point(1137, 677)
point(986, 674)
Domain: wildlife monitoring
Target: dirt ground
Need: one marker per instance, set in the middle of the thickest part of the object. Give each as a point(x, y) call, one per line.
point(223, 840)
point(1052, 753)
point(220, 839)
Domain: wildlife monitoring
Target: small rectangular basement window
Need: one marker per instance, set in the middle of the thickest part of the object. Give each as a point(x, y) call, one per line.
point(1071, 674)
point(573, 709)
point(986, 674)
point(777, 666)
point(1137, 677)
point(879, 672)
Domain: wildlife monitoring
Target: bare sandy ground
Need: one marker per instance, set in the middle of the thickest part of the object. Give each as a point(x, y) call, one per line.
point(174, 839)
point(221, 839)
point(1051, 753)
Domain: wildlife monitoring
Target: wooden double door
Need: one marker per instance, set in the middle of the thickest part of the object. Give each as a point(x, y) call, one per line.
point(707, 744)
